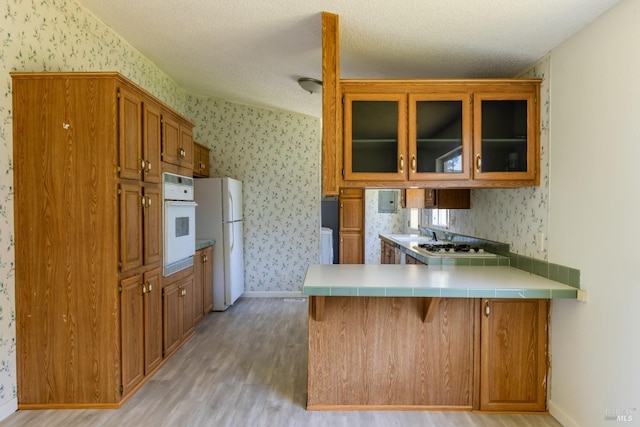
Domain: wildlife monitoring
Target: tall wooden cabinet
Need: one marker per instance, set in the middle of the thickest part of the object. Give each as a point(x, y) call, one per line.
point(351, 218)
point(88, 237)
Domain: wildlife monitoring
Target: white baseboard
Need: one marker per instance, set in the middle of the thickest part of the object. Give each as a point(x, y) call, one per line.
point(8, 408)
point(561, 416)
point(272, 294)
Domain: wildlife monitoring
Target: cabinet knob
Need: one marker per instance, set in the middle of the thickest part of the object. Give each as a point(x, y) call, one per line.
point(401, 163)
point(413, 163)
point(478, 162)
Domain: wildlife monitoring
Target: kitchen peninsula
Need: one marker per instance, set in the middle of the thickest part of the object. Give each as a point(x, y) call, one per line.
point(428, 337)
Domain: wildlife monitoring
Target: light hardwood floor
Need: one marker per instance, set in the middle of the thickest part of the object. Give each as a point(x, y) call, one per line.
point(247, 367)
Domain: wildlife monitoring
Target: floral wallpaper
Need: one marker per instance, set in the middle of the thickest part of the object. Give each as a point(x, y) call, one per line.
point(277, 157)
point(378, 223)
point(514, 216)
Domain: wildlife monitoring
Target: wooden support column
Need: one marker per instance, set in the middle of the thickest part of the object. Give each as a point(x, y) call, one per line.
point(331, 114)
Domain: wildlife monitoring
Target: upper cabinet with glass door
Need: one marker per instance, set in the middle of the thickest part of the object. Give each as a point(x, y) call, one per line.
point(375, 136)
point(440, 136)
point(506, 134)
point(441, 133)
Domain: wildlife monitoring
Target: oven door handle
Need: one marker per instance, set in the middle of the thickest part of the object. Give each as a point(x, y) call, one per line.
point(180, 203)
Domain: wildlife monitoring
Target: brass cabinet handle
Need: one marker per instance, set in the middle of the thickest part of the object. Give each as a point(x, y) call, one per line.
point(487, 309)
point(148, 201)
point(401, 163)
point(478, 163)
point(149, 287)
point(413, 163)
point(144, 289)
point(143, 201)
point(143, 165)
point(148, 166)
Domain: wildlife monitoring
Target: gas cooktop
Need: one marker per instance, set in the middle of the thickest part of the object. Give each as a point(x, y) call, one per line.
point(451, 249)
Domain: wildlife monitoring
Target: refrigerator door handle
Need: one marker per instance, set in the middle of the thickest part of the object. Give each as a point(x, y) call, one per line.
point(232, 217)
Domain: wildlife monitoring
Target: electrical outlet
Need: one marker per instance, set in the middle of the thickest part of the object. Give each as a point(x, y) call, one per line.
point(582, 295)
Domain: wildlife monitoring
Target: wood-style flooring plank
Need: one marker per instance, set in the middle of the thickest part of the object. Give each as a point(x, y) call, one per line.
point(247, 367)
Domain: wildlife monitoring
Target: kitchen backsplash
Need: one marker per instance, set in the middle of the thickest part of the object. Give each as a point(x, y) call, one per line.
point(378, 223)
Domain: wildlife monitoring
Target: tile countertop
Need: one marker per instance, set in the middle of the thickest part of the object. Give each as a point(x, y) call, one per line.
point(203, 243)
point(398, 280)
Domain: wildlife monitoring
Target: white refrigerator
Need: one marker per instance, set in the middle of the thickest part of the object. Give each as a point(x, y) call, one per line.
point(219, 217)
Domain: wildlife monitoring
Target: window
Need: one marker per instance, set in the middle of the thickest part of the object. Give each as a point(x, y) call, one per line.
point(414, 219)
point(440, 217)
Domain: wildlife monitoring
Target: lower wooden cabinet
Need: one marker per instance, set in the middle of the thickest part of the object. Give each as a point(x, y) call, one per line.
point(203, 278)
point(444, 353)
point(513, 354)
point(351, 233)
point(178, 310)
point(141, 320)
point(411, 260)
point(387, 253)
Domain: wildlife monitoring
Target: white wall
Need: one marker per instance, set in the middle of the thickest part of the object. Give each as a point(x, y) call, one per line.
point(594, 198)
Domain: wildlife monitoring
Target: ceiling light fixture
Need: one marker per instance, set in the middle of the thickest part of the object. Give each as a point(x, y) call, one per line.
point(310, 85)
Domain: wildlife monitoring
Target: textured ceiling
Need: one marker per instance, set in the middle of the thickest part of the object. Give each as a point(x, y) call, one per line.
point(253, 52)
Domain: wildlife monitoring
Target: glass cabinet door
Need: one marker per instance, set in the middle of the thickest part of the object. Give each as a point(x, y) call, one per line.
point(439, 136)
point(375, 136)
point(505, 136)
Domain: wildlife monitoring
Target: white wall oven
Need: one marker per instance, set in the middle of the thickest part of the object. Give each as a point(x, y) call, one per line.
point(179, 214)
